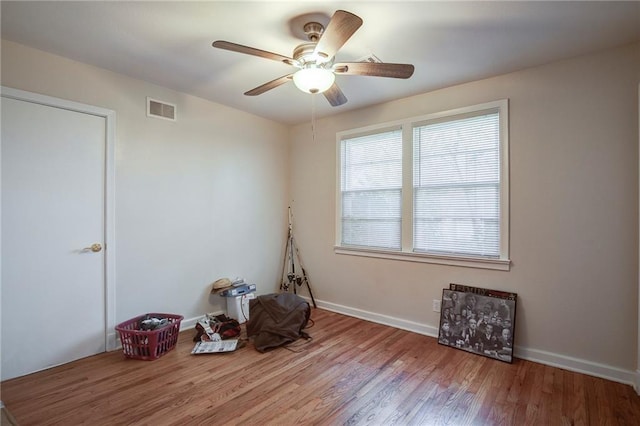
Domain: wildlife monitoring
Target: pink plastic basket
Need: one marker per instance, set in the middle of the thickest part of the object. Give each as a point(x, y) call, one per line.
point(151, 344)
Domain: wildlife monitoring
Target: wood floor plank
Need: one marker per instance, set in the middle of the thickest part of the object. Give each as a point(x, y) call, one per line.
point(351, 372)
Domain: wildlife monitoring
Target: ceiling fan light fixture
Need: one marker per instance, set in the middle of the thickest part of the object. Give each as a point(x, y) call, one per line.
point(314, 80)
point(315, 59)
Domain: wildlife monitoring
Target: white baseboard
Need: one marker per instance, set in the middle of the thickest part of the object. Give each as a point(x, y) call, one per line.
point(577, 364)
point(190, 323)
point(113, 341)
point(378, 318)
point(583, 366)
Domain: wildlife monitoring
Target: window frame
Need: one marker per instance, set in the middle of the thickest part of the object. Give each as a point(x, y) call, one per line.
point(407, 254)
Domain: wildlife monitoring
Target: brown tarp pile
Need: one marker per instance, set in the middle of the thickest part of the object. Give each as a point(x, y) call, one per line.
point(277, 319)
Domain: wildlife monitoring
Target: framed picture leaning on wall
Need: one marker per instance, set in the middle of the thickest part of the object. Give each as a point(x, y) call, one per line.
point(478, 320)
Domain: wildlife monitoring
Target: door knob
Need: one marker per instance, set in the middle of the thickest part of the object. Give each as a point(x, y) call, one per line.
point(94, 247)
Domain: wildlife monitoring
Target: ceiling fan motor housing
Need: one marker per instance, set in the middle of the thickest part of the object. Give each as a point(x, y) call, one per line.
point(305, 56)
point(313, 30)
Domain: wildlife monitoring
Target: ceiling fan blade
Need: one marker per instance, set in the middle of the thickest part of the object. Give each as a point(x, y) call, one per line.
point(270, 85)
point(234, 47)
point(335, 96)
point(376, 69)
point(340, 28)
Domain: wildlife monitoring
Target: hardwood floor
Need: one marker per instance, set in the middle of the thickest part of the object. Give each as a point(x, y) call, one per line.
point(352, 372)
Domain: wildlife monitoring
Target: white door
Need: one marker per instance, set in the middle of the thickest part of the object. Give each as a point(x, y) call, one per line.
point(53, 209)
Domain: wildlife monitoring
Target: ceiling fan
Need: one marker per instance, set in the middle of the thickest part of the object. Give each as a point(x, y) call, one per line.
point(315, 59)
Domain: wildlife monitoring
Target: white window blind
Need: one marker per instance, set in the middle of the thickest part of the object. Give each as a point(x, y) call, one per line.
point(371, 190)
point(456, 180)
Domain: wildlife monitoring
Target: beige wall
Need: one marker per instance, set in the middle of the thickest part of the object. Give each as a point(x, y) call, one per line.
point(574, 209)
point(198, 199)
point(206, 197)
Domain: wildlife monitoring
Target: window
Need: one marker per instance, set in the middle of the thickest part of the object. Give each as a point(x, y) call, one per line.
point(430, 189)
point(372, 190)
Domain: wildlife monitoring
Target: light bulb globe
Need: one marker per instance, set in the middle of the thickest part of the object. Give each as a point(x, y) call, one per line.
point(314, 80)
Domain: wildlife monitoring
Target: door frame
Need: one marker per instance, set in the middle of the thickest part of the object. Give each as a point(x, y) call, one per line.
point(109, 201)
point(637, 383)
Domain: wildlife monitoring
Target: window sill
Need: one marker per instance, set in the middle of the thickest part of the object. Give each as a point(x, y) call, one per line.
point(468, 262)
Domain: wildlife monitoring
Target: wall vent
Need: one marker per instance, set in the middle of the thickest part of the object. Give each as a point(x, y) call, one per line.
point(161, 109)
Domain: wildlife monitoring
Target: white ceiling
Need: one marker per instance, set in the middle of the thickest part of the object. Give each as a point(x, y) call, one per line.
point(169, 43)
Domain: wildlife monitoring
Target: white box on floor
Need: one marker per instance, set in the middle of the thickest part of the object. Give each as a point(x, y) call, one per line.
point(238, 307)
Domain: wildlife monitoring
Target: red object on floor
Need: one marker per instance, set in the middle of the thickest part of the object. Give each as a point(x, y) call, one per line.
point(149, 344)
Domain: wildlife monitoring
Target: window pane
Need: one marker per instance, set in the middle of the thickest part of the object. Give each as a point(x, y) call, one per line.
point(371, 162)
point(457, 221)
point(371, 182)
point(457, 186)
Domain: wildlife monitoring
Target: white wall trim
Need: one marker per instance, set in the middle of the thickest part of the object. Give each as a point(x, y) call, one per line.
point(190, 323)
point(109, 236)
point(114, 341)
point(377, 318)
point(637, 381)
point(577, 365)
point(468, 262)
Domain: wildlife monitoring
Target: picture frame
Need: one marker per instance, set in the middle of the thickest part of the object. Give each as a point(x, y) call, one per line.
point(478, 320)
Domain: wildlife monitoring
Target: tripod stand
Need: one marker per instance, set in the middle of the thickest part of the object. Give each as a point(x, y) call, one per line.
point(292, 255)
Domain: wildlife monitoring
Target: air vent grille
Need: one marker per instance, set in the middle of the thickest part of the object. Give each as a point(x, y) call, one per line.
point(161, 109)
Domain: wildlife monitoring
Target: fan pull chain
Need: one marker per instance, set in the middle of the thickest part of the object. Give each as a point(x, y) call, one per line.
point(313, 117)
